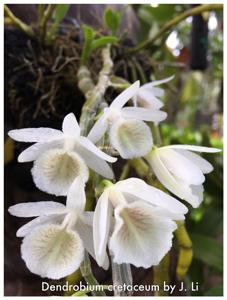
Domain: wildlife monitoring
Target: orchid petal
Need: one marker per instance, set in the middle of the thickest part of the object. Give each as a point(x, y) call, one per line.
point(194, 148)
point(30, 135)
point(86, 233)
point(76, 198)
point(86, 143)
point(141, 236)
point(131, 138)
point(158, 82)
point(181, 167)
point(202, 163)
point(127, 94)
point(140, 190)
point(139, 113)
point(94, 162)
point(197, 193)
point(98, 130)
point(101, 227)
point(35, 209)
point(33, 152)
point(39, 221)
point(176, 186)
point(70, 125)
point(147, 99)
point(52, 251)
point(55, 170)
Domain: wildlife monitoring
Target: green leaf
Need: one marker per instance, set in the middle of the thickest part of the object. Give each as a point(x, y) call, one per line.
point(89, 35)
point(103, 41)
point(208, 250)
point(58, 15)
point(214, 291)
point(112, 19)
point(60, 12)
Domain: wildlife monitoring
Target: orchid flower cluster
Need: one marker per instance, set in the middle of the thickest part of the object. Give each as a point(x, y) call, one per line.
point(133, 220)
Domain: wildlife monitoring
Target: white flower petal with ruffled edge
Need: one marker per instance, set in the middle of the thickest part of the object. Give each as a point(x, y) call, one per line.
point(30, 226)
point(33, 152)
point(181, 167)
point(55, 170)
point(52, 251)
point(141, 236)
point(86, 143)
point(131, 138)
point(30, 135)
point(101, 227)
point(194, 148)
point(99, 129)
point(94, 162)
point(139, 113)
point(127, 94)
point(76, 198)
point(176, 186)
point(35, 209)
point(202, 163)
point(140, 190)
point(70, 125)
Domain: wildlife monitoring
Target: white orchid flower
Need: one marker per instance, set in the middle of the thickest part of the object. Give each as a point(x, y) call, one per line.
point(54, 242)
point(61, 156)
point(148, 95)
point(129, 135)
point(181, 171)
point(139, 220)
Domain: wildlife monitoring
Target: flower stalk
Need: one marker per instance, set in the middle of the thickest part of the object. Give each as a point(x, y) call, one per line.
point(185, 250)
point(46, 15)
point(87, 274)
point(161, 274)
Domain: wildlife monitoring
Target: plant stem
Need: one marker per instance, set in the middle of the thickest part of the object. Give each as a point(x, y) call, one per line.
point(17, 22)
point(169, 25)
point(73, 279)
point(140, 166)
point(161, 274)
point(157, 135)
point(41, 10)
point(87, 274)
point(94, 94)
point(125, 171)
point(185, 250)
point(45, 18)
